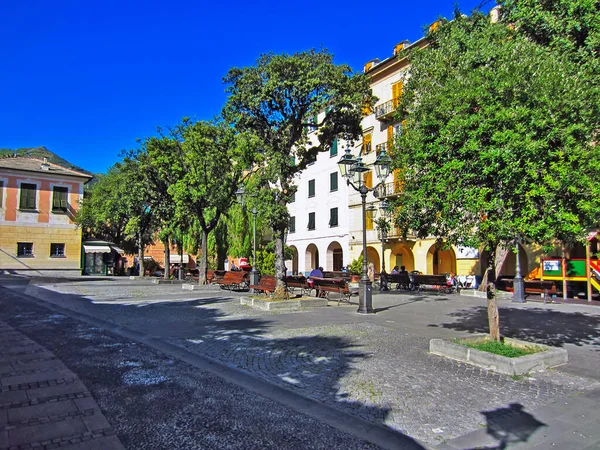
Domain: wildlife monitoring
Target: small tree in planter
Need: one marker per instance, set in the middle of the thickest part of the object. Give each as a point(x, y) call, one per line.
point(355, 269)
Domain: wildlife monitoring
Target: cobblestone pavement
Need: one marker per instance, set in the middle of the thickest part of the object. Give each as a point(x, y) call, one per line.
point(154, 401)
point(375, 367)
point(42, 403)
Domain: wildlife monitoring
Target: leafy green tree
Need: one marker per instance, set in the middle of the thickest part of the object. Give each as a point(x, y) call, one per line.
point(276, 101)
point(114, 209)
point(498, 142)
point(210, 162)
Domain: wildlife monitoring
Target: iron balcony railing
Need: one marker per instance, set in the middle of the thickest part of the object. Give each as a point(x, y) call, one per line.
point(388, 190)
point(381, 147)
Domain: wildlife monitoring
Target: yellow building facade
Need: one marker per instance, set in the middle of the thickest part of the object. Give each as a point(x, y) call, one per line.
point(38, 202)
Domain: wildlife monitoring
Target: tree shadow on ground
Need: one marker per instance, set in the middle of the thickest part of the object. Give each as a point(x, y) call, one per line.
point(312, 365)
point(544, 326)
point(510, 425)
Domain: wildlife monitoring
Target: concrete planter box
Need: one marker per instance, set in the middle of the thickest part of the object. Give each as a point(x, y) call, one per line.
point(551, 357)
point(163, 281)
point(198, 287)
point(283, 305)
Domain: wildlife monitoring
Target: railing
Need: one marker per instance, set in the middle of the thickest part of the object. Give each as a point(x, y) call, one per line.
point(388, 189)
point(382, 147)
point(385, 109)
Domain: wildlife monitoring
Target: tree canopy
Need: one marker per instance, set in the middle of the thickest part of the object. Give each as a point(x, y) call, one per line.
point(295, 106)
point(498, 139)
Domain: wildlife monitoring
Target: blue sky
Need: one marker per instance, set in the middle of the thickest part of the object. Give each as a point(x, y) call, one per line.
point(87, 78)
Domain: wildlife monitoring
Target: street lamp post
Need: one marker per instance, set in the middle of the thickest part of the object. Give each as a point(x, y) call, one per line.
point(518, 284)
point(352, 170)
point(240, 194)
point(383, 209)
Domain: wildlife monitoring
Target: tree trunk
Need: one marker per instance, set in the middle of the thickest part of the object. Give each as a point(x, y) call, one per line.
point(203, 258)
point(280, 290)
point(492, 306)
point(180, 275)
point(141, 269)
point(167, 258)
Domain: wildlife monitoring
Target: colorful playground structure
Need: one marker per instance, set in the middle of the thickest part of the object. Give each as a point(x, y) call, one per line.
point(575, 274)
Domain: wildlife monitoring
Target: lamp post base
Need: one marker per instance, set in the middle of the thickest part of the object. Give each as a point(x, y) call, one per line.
point(253, 279)
point(365, 298)
point(518, 290)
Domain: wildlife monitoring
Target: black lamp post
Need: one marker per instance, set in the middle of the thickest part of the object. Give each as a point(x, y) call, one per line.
point(241, 198)
point(383, 209)
point(518, 284)
point(352, 170)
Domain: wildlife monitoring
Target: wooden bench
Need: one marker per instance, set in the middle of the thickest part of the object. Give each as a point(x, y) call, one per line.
point(266, 285)
point(401, 280)
point(324, 286)
point(546, 287)
point(297, 282)
point(437, 282)
point(233, 280)
point(336, 274)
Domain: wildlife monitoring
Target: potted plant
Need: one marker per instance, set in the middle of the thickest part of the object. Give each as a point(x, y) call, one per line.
point(355, 269)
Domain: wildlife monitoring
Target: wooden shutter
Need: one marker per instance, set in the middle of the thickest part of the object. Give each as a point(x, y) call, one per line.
point(311, 221)
point(333, 181)
point(1, 192)
point(28, 196)
point(333, 217)
point(368, 179)
point(369, 223)
point(292, 224)
point(398, 185)
point(396, 93)
point(334, 148)
point(311, 188)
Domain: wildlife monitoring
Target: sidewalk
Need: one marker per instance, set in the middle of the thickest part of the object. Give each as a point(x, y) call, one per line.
point(43, 404)
point(569, 424)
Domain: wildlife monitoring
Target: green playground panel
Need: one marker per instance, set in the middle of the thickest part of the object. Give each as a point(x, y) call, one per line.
point(575, 268)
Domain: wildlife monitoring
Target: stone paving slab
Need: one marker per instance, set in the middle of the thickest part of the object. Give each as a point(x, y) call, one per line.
point(156, 401)
point(43, 404)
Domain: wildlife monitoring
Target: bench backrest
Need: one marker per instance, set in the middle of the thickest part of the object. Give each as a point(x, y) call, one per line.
point(234, 277)
point(437, 280)
point(330, 282)
point(295, 280)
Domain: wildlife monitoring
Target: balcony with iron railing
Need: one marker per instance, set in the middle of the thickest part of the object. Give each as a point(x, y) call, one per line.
point(385, 111)
point(382, 147)
point(387, 190)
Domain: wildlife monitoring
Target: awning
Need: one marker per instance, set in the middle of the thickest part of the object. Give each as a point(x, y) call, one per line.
point(118, 250)
point(96, 249)
point(175, 259)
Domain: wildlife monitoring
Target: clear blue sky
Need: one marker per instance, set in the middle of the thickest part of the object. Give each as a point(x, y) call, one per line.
point(87, 78)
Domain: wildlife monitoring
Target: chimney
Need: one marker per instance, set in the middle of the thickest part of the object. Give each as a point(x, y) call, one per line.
point(45, 165)
point(495, 14)
point(368, 66)
point(401, 46)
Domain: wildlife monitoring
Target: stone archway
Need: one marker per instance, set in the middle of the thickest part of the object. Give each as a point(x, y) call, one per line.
point(373, 257)
point(311, 258)
point(293, 264)
point(440, 261)
point(335, 257)
point(401, 255)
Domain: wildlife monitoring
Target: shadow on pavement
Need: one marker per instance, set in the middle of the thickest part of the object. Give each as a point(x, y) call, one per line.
point(294, 363)
point(510, 425)
point(550, 327)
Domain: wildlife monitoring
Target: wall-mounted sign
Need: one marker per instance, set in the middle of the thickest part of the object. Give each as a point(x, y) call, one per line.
point(552, 265)
point(467, 253)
